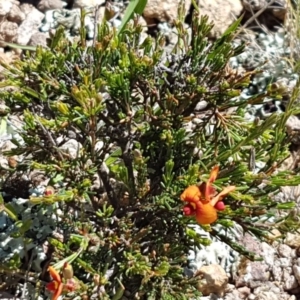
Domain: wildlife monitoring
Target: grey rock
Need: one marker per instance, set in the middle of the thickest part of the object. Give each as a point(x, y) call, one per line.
point(285, 251)
point(221, 12)
point(213, 280)
point(244, 292)
point(5, 7)
point(29, 26)
point(45, 5)
point(168, 12)
point(296, 271)
point(234, 295)
point(201, 105)
point(8, 31)
point(39, 38)
point(267, 296)
point(277, 272)
point(292, 240)
point(71, 148)
point(289, 281)
point(293, 129)
point(87, 3)
point(268, 253)
point(285, 262)
point(15, 14)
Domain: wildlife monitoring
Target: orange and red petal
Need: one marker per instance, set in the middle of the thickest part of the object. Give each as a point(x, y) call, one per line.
point(209, 190)
point(206, 215)
point(213, 174)
point(222, 194)
point(54, 274)
point(52, 286)
point(58, 291)
point(55, 288)
point(191, 194)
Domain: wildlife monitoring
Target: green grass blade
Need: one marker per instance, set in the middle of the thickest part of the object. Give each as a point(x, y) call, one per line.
point(134, 6)
point(17, 46)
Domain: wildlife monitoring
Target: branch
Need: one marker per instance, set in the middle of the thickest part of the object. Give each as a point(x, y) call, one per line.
point(104, 175)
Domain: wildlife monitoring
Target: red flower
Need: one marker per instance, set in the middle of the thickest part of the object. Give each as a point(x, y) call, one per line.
point(202, 201)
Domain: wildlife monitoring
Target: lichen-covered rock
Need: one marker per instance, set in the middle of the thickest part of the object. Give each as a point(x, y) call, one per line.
point(41, 225)
point(70, 20)
point(216, 253)
point(163, 11)
point(222, 12)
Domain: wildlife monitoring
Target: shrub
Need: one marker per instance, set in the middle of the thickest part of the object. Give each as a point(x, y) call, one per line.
point(130, 112)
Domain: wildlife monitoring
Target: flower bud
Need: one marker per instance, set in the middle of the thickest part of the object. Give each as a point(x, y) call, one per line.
point(220, 205)
point(49, 191)
point(67, 271)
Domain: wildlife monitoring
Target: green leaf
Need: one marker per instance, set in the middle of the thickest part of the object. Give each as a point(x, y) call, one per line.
point(57, 178)
point(15, 261)
point(287, 205)
point(31, 92)
point(120, 291)
point(8, 208)
point(233, 27)
point(134, 6)
point(140, 7)
point(18, 46)
point(196, 7)
point(59, 35)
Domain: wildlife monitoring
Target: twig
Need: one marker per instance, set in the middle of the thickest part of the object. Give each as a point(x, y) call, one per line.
point(50, 139)
point(96, 24)
point(26, 277)
point(103, 174)
point(257, 14)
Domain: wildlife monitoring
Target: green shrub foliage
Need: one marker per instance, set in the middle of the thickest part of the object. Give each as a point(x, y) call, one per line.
point(132, 109)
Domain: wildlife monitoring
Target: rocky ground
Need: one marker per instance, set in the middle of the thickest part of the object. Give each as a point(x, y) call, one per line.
point(265, 26)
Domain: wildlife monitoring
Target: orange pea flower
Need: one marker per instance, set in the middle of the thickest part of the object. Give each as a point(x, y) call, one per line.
point(55, 286)
point(203, 202)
